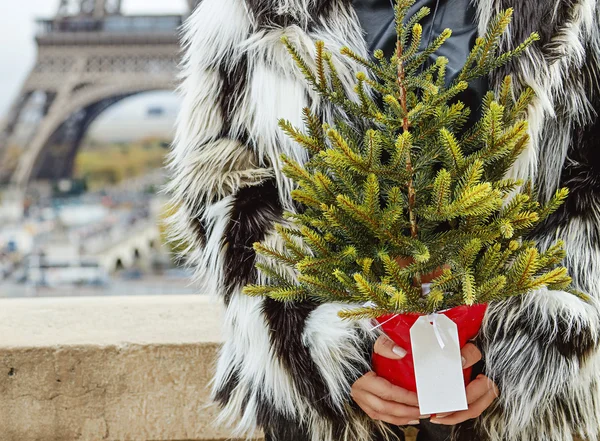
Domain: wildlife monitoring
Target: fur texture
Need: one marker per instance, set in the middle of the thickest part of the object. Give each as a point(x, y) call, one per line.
point(288, 368)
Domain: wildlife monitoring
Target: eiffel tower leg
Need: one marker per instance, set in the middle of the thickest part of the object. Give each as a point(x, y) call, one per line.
point(55, 112)
point(83, 74)
point(69, 101)
point(7, 159)
point(14, 115)
point(47, 127)
point(57, 159)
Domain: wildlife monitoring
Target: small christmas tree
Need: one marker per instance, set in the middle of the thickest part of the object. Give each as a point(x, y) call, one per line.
point(399, 188)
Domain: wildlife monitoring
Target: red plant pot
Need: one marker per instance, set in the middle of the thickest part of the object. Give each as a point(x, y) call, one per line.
point(402, 372)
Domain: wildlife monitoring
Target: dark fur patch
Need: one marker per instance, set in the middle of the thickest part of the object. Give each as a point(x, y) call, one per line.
point(546, 18)
point(580, 345)
point(396, 430)
point(223, 394)
point(286, 325)
point(234, 82)
point(199, 230)
point(465, 432)
point(266, 16)
point(577, 346)
point(582, 173)
point(279, 427)
point(254, 212)
point(582, 168)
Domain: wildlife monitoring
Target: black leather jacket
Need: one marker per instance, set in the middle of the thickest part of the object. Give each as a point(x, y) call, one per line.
point(377, 19)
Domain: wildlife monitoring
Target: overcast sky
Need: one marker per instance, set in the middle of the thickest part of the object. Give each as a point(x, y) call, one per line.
point(17, 28)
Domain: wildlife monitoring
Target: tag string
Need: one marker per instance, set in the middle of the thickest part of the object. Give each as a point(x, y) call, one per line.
point(436, 329)
point(383, 323)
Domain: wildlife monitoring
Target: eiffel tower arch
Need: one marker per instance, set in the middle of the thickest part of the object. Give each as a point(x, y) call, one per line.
point(90, 56)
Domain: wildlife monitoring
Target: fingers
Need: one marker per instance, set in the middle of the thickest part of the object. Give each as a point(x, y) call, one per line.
point(385, 402)
point(480, 387)
point(388, 411)
point(385, 390)
point(481, 393)
point(470, 355)
point(385, 347)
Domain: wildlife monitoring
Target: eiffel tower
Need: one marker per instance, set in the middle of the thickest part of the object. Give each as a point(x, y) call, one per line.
point(90, 56)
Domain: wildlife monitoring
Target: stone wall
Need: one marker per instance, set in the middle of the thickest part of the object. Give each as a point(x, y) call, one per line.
point(96, 369)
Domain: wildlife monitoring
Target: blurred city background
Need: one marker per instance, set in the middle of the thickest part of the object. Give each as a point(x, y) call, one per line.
point(87, 108)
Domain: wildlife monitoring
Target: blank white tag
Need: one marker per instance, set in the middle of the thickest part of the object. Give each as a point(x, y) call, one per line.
point(439, 372)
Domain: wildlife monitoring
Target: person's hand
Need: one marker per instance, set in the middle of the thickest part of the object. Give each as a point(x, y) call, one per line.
point(481, 392)
point(380, 399)
point(383, 401)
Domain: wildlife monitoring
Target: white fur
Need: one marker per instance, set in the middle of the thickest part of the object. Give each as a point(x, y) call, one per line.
point(547, 80)
point(333, 344)
point(213, 32)
point(278, 90)
point(208, 170)
point(583, 255)
point(532, 372)
point(270, 98)
point(220, 169)
point(248, 347)
point(212, 258)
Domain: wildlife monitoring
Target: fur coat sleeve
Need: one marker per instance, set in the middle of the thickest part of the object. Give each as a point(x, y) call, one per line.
point(288, 368)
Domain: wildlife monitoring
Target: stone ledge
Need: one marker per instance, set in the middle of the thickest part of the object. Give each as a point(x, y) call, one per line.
point(118, 368)
point(113, 321)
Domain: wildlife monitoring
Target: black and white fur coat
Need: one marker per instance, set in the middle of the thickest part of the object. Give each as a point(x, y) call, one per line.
point(288, 368)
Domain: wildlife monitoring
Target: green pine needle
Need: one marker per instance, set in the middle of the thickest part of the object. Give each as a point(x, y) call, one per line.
point(397, 187)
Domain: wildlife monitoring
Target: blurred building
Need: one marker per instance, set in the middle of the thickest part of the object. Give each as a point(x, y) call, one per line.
point(60, 234)
point(90, 56)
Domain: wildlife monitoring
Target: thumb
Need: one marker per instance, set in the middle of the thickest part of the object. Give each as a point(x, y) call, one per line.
point(385, 347)
point(470, 355)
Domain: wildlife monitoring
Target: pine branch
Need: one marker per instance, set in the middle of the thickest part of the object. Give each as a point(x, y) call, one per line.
point(453, 150)
point(309, 143)
point(301, 63)
point(314, 126)
point(417, 34)
point(469, 295)
point(441, 191)
point(399, 175)
point(274, 254)
point(326, 289)
point(491, 290)
point(320, 61)
point(362, 313)
point(554, 204)
point(412, 195)
point(498, 27)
